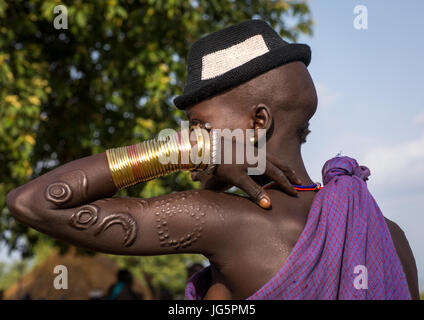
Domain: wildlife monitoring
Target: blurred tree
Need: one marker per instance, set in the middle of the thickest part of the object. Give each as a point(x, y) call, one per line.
point(107, 80)
point(12, 272)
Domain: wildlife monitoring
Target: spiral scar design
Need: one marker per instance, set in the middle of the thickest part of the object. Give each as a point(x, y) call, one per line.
point(61, 192)
point(58, 192)
point(85, 217)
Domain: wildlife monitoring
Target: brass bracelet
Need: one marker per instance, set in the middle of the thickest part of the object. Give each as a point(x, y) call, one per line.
point(214, 149)
point(203, 148)
point(142, 162)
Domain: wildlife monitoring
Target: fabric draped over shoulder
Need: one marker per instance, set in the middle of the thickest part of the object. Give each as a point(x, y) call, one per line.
point(344, 252)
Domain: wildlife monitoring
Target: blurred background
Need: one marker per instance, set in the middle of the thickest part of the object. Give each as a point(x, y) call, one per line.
point(109, 80)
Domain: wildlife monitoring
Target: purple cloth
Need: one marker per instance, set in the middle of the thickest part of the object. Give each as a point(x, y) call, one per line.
point(345, 229)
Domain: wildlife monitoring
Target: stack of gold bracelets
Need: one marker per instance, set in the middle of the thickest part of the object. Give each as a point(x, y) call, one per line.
point(161, 156)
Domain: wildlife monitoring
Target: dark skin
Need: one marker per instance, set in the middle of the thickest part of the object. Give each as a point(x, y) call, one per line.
point(246, 244)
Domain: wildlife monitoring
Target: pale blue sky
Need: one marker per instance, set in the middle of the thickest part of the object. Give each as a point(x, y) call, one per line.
point(371, 90)
point(371, 105)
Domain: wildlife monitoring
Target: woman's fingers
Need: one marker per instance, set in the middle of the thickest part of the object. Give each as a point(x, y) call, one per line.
point(289, 173)
point(255, 191)
point(278, 176)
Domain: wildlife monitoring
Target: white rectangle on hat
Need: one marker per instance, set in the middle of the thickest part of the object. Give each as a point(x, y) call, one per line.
point(217, 63)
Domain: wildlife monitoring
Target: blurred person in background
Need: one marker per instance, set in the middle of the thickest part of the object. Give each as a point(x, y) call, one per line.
point(122, 289)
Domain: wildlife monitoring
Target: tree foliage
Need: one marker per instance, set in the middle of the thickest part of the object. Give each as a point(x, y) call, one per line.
point(106, 81)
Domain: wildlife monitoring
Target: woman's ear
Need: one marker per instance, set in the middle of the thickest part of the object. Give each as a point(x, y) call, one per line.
point(261, 117)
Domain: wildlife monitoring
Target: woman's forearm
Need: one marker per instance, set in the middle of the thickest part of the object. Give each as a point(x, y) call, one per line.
point(99, 176)
point(72, 184)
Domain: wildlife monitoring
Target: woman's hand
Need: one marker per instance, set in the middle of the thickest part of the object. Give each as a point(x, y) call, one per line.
point(227, 175)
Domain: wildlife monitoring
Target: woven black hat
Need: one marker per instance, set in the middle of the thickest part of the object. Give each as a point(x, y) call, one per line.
point(234, 55)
